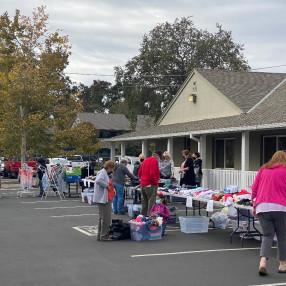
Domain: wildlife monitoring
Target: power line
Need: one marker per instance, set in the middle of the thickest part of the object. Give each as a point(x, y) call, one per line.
point(271, 67)
point(160, 75)
point(166, 75)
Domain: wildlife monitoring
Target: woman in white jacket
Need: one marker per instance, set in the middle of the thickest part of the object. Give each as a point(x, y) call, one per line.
point(100, 197)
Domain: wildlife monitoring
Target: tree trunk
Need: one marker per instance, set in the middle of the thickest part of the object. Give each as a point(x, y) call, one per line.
point(23, 135)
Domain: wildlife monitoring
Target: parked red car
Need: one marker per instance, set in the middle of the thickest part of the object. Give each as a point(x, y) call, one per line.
point(12, 165)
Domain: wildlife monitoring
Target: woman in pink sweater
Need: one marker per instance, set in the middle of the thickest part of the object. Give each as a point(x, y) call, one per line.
point(269, 196)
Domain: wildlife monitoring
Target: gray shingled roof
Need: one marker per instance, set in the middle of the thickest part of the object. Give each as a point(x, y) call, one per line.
point(270, 111)
point(106, 121)
point(244, 89)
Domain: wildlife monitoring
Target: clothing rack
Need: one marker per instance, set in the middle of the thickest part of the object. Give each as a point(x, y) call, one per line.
point(26, 175)
point(57, 183)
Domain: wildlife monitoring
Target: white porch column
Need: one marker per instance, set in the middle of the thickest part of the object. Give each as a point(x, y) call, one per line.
point(145, 148)
point(123, 149)
point(112, 151)
point(245, 151)
point(170, 146)
point(202, 148)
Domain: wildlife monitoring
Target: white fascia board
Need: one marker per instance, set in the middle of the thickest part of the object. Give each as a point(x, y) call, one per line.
point(241, 128)
point(266, 96)
point(201, 132)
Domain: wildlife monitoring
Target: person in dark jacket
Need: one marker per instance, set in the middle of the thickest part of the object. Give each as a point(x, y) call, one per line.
point(187, 170)
point(118, 181)
point(42, 168)
point(198, 168)
point(138, 164)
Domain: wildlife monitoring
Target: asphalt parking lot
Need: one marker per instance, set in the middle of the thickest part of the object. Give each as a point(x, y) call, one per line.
point(52, 242)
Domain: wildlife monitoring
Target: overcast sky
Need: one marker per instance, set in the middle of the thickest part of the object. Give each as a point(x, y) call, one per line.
point(107, 33)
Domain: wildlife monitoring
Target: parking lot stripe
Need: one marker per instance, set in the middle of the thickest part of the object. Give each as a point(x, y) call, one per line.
point(85, 232)
point(62, 201)
point(73, 207)
point(275, 284)
point(194, 252)
point(72, 215)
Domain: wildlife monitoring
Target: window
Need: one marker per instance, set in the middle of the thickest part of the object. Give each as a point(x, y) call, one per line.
point(271, 144)
point(224, 153)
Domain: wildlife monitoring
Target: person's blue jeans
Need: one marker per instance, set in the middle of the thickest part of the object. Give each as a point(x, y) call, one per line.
point(41, 188)
point(118, 198)
point(163, 229)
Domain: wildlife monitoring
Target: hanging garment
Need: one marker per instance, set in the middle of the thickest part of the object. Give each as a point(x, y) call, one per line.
point(61, 183)
point(45, 182)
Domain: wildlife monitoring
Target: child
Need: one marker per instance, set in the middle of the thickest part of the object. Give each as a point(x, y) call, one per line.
point(162, 210)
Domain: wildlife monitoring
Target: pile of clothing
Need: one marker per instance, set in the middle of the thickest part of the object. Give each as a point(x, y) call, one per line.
point(119, 229)
point(146, 228)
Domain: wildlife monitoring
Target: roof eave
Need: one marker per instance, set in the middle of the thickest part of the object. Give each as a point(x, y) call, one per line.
point(200, 132)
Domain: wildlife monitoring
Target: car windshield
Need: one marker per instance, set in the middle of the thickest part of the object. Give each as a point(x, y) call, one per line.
point(59, 161)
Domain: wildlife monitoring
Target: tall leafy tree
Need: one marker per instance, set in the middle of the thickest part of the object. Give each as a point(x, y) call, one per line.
point(99, 97)
point(36, 100)
point(167, 55)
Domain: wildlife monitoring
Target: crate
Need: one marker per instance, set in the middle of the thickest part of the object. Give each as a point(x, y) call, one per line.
point(133, 210)
point(194, 224)
point(73, 178)
point(140, 231)
point(73, 171)
point(90, 199)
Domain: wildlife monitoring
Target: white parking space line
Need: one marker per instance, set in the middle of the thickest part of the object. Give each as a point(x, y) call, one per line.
point(73, 215)
point(87, 230)
point(275, 284)
point(194, 252)
point(45, 201)
point(73, 207)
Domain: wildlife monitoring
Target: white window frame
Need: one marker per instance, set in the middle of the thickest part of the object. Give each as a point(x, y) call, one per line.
point(224, 153)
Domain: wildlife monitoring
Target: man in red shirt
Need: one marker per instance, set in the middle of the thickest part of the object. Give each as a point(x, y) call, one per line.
point(149, 174)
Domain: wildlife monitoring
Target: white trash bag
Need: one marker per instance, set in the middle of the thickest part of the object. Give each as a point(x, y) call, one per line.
point(220, 220)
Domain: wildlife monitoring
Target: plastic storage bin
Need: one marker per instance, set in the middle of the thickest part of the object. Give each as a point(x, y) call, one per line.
point(90, 199)
point(194, 224)
point(133, 210)
point(84, 194)
point(140, 231)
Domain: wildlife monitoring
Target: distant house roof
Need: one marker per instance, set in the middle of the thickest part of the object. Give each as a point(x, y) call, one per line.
point(116, 122)
point(106, 121)
point(243, 88)
point(270, 113)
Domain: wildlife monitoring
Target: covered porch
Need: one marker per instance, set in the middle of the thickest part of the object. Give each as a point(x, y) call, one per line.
point(233, 169)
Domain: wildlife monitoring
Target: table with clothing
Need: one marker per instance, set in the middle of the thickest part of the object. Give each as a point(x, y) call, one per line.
point(239, 201)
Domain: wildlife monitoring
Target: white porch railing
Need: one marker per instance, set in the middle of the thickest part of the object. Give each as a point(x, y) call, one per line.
point(220, 179)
